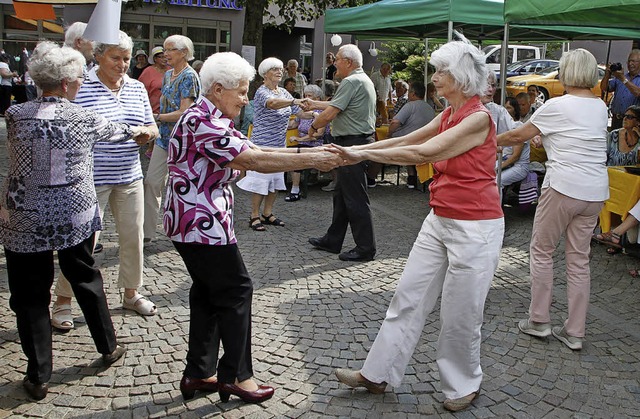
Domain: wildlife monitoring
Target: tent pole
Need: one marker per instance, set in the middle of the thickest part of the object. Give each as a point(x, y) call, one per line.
point(426, 64)
point(503, 95)
point(450, 31)
point(324, 64)
point(605, 93)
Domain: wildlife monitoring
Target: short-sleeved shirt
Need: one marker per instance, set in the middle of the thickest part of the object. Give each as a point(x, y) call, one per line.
point(48, 200)
point(186, 85)
point(464, 187)
point(152, 80)
point(5, 81)
point(199, 201)
point(615, 157)
point(116, 163)
point(574, 135)
point(382, 85)
point(623, 98)
point(270, 125)
point(303, 129)
point(413, 116)
point(301, 81)
point(356, 99)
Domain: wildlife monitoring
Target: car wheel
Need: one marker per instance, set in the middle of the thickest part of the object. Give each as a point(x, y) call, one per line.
point(543, 95)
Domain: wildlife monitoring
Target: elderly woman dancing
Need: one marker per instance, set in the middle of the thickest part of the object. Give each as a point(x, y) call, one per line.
point(457, 250)
point(205, 154)
point(48, 203)
point(574, 189)
point(117, 173)
point(272, 107)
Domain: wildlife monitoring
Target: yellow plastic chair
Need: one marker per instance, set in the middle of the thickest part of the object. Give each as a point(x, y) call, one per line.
point(624, 192)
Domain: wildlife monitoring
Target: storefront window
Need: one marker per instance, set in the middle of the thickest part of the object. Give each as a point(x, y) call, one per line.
point(162, 32)
point(135, 30)
point(201, 35)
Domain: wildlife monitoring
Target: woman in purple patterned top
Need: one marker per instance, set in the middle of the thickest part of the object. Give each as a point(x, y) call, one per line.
point(205, 154)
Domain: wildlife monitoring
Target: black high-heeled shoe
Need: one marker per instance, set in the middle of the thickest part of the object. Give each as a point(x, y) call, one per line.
point(189, 386)
point(263, 393)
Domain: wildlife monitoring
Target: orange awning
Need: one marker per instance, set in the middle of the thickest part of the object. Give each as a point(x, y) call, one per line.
point(34, 11)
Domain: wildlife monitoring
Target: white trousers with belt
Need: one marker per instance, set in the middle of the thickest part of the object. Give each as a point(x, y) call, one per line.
point(456, 259)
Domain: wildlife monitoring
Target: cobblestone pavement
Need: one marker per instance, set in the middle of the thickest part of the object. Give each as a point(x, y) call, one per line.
point(313, 313)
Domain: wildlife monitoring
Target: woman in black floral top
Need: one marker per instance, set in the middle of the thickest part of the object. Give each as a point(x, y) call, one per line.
point(48, 203)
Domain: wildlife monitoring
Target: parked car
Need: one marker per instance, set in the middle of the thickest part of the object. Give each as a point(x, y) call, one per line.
point(516, 53)
point(525, 67)
point(547, 82)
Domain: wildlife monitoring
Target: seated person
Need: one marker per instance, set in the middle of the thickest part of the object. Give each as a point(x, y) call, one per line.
point(613, 238)
point(290, 86)
point(401, 96)
point(622, 143)
point(515, 159)
point(314, 92)
point(437, 103)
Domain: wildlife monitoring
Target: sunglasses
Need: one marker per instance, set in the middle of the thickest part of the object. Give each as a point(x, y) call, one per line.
point(630, 117)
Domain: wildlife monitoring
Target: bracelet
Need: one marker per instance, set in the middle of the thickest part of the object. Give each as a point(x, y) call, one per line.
point(313, 128)
point(298, 150)
point(157, 118)
point(625, 81)
point(293, 102)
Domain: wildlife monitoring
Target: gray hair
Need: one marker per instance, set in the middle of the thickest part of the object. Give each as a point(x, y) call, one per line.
point(226, 68)
point(124, 43)
point(491, 77)
point(316, 91)
point(197, 65)
point(50, 64)
point(352, 53)
point(403, 84)
point(182, 42)
point(292, 61)
point(73, 33)
point(267, 64)
point(578, 68)
point(465, 63)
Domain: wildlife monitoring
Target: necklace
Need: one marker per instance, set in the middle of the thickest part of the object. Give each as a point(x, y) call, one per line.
point(113, 90)
point(626, 140)
point(174, 74)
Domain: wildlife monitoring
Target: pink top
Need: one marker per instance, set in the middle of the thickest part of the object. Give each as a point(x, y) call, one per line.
point(152, 80)
point(199, 202)
point(464, 187)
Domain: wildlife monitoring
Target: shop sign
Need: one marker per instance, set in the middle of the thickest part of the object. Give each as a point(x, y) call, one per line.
point(209, 4)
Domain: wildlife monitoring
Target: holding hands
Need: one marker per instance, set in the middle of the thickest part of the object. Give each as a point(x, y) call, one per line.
point(143, 134)
point(347, 155)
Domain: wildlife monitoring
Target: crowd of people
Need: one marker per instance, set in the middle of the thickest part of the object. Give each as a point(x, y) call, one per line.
point(186, 114)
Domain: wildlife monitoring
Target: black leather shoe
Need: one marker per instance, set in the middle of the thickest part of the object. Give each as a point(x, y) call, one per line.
point(35, 391)
point(109, 359)
point(354, 256)
point(319, 244)
point(189, 386)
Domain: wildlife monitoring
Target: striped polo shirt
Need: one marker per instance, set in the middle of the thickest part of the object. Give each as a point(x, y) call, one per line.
point(116, 163)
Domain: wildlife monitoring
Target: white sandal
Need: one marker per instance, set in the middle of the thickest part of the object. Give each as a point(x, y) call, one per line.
point(61, 317)
point(139, 304)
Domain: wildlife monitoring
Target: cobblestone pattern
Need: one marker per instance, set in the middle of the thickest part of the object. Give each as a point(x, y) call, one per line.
point(313, 313)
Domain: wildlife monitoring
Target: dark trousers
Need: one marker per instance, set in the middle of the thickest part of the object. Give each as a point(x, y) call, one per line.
point(351, 203)
point(5, 98)
point(30, 280)
point(220, 311)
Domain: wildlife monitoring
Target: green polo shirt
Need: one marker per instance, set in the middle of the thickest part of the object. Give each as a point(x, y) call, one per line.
point(356, 99)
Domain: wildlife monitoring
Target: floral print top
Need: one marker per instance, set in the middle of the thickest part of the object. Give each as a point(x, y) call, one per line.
point(48, 201)
point(199, 202)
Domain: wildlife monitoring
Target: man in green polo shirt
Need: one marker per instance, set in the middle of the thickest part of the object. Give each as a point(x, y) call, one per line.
point(351, 112)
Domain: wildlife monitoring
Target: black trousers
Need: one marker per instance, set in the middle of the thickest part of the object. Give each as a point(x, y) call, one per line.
point(5, 98)
point(351, 203)
point(220, 311)
point(30, 280)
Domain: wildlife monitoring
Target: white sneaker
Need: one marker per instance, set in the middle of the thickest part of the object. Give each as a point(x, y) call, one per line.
point(330, 187)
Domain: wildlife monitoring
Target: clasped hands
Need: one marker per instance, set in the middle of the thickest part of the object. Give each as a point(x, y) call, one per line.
point(143, 134)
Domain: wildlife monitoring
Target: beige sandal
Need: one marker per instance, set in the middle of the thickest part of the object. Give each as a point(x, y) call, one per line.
point(139, 304)
point(61, 317)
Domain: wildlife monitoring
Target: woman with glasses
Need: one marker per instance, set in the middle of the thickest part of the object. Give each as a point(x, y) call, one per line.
point(574, 189)
point(48, 204)
point(272, 107)
point(180, 89)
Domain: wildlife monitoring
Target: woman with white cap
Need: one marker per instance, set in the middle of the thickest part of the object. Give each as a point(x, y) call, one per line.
point(152, 77)
point(141, 64)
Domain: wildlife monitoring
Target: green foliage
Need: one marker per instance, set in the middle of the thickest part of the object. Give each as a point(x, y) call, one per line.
point(407, 58)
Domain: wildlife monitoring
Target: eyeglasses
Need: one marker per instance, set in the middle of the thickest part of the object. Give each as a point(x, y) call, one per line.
point(171, 49)
point(276, 69)
point(630, 117)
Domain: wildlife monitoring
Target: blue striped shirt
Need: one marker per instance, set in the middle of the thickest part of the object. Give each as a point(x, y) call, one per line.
point(116, 164)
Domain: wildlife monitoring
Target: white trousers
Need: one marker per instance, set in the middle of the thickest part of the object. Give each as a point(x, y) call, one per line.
point(456, 259)
point(154, 183)
point(126, 203)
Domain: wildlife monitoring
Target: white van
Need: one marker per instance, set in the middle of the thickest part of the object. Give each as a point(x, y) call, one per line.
point(516, 53)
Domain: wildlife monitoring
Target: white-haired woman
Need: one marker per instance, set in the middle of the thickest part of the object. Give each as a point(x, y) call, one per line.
point(272, 107)
point(117, 173)
point(180, 88)
point(304, 122)
point(205, 154)
point(457, 249)
point(48, 203)
point(573, 191)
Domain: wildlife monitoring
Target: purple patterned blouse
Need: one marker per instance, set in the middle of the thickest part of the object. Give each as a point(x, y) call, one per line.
point(199, 202)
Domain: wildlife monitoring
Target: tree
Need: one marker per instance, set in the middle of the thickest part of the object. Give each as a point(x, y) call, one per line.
point(407, 58)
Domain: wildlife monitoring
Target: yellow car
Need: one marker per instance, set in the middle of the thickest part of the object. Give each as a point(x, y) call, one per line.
point(547, 82)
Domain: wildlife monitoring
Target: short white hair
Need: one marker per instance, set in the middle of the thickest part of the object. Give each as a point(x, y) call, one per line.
point(73, 33)
point(267, 64)
point(578, 68)
point(465, 63)
point(125, 43)
point(182, 42)
point(50, 64)
point(226, 68)
point(316, 91)
point(352, 53)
